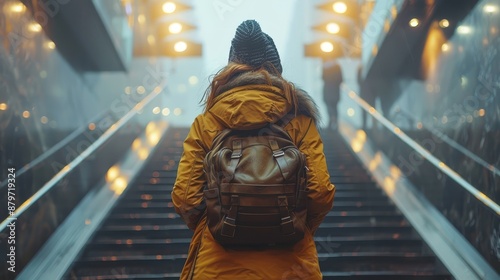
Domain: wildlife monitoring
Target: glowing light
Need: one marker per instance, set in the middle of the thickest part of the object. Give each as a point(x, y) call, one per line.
point(151, 39)
point(414, 22)
point(481, 112)
point(350, 112)
point(326, 47)
point(113, 173)
point(51, 45)
point(332, 28)
point(177, 111)
point(141, 19)
point(165, 111)
point(445, 47)
point(3, 106)
point(175, 28)
point(35, 27)
point(156, 110)
point(119, 185)
point(490, 9)
point(157, 90)
point(193, 80)
point(44, 120)
point(375, 162)
point(91, 126)
point(151, 127)
point(143, 153)
point(141, 90)
point(26, 114)
point(444, 119)
point(127, 90)
point(17, 8)
point(389, 185)
point(464, 29)
point(153, 138)
point(180, 46)
point(444, 23)
point(339, 7)
point(397, 130)
point(420, 125)
point(169, 7)
point(136, 144)
point(464, 81)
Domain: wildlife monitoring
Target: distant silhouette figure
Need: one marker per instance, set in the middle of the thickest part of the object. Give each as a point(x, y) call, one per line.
point(332, 78)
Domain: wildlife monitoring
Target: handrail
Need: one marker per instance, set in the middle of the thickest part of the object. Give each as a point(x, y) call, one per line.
point(423, 152)
point(458, 147)
point(50, 151)
point(86, 153)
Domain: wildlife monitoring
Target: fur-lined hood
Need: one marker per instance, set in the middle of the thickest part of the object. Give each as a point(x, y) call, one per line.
point(251, 100)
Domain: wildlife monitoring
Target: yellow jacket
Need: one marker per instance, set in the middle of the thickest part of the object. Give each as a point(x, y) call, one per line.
point(249, 102)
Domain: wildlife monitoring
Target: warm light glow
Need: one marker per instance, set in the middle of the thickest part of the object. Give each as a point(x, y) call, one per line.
point(141, 19)
point(150, 128)
point(350, 112)
point(165, 111)
point(26, 114)
point(151, 39)
point(154, 138)
point(143, 153)
point(180, 46)
point(193, 80)
point(91, 126)
point(141, 90)
point(339, 7)
point(127, 90)
point(136, 144)
point(444, 23)
point(326, 47)
point(177, 111)
point(35, 27)
point(175, 28)
point(3, 106)
point(51, 45)
point(119, 185)
point(169, 7)
point(397, 130)
point(113, 173)
point(157, 89)
point(482, 112)
point(420, 125)
point(361, 135)
point(463, 29)
point(444, 119)
point(414, 22)
point(395, 172)
point(490, 9)
point(445, 47)
point(17, 8)
point(332, 28)
point(44, 120)
point(156, 110)
point(389, 185)
point(375, 162)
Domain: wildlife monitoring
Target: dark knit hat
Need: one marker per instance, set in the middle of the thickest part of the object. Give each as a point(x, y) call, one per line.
point(253, 47)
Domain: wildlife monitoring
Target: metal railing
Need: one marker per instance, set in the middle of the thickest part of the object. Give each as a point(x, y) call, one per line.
point(79, 159)
point(423, 152)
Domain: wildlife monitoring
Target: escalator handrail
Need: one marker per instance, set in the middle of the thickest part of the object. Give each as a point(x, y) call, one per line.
point(457, 146)
point(422, 151)
point(79, 159)
point(51, 151)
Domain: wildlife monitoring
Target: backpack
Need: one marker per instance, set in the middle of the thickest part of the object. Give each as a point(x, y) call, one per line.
point(256, 187)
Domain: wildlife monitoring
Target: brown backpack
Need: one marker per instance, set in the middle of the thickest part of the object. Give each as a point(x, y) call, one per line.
point(256, 193)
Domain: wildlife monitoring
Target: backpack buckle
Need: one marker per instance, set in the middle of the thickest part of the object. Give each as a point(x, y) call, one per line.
point(278, 153)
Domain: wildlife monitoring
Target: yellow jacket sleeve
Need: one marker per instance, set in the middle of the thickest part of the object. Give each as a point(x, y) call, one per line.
point(320, 190)
point(187, 194)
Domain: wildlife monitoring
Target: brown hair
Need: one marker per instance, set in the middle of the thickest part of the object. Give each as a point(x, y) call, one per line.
point(232, 70)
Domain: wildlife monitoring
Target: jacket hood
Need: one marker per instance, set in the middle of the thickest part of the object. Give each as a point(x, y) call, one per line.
point(252, 100)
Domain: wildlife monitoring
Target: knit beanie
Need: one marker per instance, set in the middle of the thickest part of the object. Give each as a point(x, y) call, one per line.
point(253, 47)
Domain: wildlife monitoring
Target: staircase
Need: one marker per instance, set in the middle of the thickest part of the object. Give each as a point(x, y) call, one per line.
point(363, 237)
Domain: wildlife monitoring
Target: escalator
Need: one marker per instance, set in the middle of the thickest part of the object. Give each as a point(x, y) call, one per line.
point(363, 237)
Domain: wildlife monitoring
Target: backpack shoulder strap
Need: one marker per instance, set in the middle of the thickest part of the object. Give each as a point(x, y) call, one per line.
point(285, 119)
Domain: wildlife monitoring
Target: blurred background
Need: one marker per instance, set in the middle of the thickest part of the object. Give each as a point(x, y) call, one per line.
point(89, 88)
